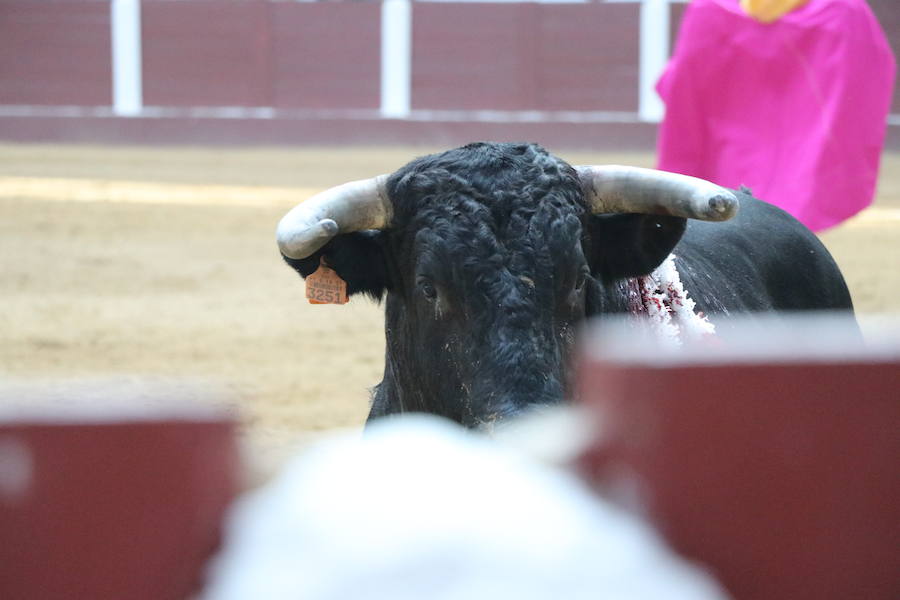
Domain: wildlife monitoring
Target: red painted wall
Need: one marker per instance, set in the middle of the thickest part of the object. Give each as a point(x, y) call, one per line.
point(326, 55)
point(525, 56)
point(251, 53)
point(205, 53)
point(588, 57)
point(55, 52)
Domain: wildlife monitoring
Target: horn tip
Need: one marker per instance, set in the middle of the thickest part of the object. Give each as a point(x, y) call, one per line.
point(723, 206)
point(299, 243)
point(328, 227)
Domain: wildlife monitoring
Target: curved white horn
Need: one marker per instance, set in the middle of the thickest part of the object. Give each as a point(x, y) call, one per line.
point(617, 189)
point(353, 206)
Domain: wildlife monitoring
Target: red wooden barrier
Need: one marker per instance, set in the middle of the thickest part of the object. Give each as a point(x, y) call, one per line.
point(525, 56)
point(283, 55)
point(55, 53)
point(110, 503)
point(781, 473)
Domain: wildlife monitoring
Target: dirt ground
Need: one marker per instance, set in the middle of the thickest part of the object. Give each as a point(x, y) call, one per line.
point(162, 262)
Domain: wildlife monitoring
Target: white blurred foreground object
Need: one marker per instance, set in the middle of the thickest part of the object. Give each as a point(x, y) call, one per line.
point(419, 508)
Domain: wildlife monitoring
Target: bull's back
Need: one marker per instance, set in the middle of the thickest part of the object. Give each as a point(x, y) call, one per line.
point(763, 259)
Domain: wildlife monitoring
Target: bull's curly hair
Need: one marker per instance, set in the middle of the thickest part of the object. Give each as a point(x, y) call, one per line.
point(499, 176)
point(498, 205)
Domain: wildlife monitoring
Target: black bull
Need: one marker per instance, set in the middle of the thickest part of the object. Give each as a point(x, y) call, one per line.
point(492, 258)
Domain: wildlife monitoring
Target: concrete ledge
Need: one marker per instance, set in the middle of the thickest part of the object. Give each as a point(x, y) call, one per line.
point(363, 131)
point(227, 131)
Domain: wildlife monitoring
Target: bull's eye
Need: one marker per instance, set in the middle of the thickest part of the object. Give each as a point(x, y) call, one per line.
point(428, 290)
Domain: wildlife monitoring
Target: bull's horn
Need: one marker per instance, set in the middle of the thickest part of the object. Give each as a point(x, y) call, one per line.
point(353, 206)
point(616, 189)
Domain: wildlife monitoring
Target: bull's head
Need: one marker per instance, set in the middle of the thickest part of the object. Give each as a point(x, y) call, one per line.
point(489, 255)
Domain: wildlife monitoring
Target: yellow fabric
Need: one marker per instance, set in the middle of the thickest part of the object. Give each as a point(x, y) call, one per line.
point(768, 11)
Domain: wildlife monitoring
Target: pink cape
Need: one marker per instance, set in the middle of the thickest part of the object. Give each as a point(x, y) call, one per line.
point(795, 110)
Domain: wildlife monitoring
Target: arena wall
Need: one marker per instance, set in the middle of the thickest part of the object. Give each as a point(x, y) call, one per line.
point(278, 72)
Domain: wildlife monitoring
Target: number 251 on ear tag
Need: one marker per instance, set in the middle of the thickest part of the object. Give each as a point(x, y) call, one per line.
point(325, 287)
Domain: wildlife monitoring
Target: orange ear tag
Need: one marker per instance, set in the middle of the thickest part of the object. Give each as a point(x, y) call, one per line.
point(325, 286)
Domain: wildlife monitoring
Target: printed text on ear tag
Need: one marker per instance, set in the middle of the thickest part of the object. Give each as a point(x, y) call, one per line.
point(326, 287)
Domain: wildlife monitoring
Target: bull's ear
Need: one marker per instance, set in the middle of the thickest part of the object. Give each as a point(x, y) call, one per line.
point(358, 258)
point(631, 245)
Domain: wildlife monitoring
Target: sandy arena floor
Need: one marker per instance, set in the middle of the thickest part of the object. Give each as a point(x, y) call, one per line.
point(162, 262)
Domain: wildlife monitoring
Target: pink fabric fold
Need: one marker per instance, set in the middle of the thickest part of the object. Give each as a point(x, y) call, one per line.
point(795, 110)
